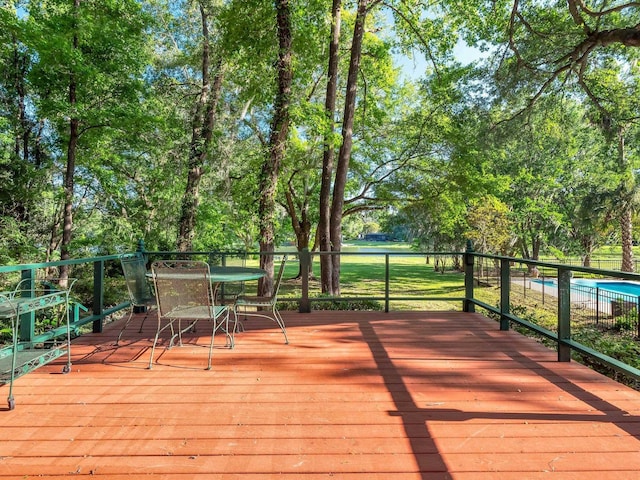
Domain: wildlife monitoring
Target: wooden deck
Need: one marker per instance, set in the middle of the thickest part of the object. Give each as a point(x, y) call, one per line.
point(356, 395)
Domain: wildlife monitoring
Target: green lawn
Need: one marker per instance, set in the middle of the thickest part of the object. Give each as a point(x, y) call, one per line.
point(362, 274)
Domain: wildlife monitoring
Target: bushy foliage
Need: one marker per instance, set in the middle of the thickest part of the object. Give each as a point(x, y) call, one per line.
point(352, 305)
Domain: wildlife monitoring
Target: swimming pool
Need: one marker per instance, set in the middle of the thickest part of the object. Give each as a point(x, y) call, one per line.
point(615, 286)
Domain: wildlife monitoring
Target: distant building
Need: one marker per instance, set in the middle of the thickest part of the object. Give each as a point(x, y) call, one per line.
point(376, 237)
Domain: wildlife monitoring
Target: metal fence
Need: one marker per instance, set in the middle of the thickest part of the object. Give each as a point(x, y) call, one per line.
point(598, 263)
point(612, 310)
point(604, 308)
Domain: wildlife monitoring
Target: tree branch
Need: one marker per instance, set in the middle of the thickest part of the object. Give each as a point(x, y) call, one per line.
point(362, 208)
point(629, 37)
point(577, 18)
point(602, 13)
point(258, 132)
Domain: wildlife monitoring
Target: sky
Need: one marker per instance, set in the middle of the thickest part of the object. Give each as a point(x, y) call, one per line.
point(415, 67)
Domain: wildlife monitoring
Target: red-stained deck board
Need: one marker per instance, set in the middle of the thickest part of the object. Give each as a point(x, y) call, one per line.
point(355, 395)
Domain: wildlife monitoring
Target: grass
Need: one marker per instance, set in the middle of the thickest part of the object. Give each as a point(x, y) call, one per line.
point(364, 276)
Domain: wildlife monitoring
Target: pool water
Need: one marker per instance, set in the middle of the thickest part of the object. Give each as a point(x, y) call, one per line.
point(622, 287)
point(627, 288)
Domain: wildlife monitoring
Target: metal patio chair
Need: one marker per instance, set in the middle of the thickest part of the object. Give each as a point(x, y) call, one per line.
point(266, 306)
point(184, 293)
point(140, 289)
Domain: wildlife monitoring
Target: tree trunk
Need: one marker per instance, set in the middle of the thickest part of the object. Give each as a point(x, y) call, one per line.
point(536, 244)
point(626, 215)
point(72, 148)
point(587, 248)
point(300, 222)
point(324, 232)
point(23, 130)
point(626, 227)
point(524, 248)
point(344, 155)
point(277, 147)
point(201, 134)
point(19, 205)
point(67, 223)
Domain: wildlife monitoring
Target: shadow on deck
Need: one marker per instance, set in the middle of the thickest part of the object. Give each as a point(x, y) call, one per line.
point(356, 395)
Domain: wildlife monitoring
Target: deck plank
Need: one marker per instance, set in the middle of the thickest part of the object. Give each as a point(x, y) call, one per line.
point(355, 395)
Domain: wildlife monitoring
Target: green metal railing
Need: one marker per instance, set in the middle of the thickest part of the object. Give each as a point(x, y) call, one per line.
point(562, 338)
point(305, 300)
point(98, 310)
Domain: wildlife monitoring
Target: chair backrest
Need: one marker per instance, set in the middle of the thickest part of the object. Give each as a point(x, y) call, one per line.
point(181, 284)
point(278, 279)
point(134, 268)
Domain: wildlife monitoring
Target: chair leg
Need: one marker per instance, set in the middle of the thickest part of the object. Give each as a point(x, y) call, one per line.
point(219, 324)
point(146, 314)
point(233, 311)
point(228, 332)
point(126, 324)
point(235, 325)
point(280, 322)
point(153, 349)
point(180, 331)
point(239, 324)
point(273, 316)
point(213, 336)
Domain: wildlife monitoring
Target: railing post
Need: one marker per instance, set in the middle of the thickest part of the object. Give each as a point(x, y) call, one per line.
point(223, 263)
point(505, 293)
point(27, 321)
point(305, 267)
point(98, 294)
point(638, 315)
point(564, 314)
point(468, 305)
point(386, 283)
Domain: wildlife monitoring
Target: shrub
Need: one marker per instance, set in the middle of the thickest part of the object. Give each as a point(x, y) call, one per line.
point(353, 305)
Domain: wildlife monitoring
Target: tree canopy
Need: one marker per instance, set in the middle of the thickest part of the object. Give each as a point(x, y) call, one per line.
point(210, 124)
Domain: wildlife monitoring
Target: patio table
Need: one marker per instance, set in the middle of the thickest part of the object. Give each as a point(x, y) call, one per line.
point(219, 275)
point(235, 274)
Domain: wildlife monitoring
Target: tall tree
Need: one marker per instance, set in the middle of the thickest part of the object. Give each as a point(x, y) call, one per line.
point(23, 157)
point(277, 145)
point(72, 148)
point(344, 155)
point(324, 223)
point(614, 91)
point(300, 193)
point(202, 127)
point(85, 80)
point(549, 48)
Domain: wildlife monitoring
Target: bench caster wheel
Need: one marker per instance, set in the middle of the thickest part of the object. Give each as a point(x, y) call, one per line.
point(11, 403)
point(66, 368)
